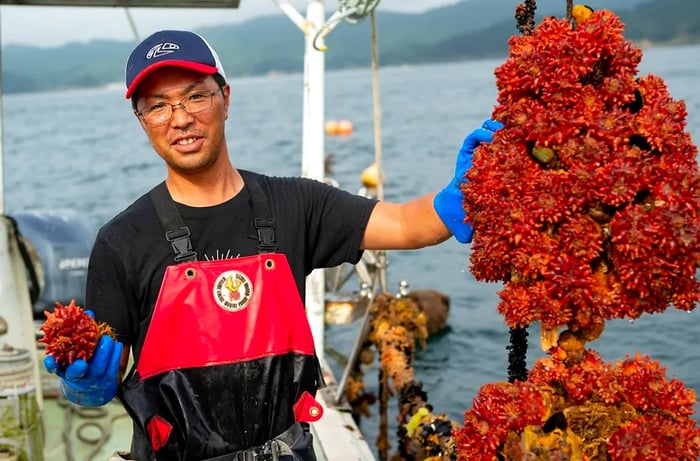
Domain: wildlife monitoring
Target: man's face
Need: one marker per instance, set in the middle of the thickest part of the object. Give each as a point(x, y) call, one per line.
point(189, 143)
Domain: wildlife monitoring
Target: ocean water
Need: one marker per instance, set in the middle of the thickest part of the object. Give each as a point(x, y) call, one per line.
point(84, 150)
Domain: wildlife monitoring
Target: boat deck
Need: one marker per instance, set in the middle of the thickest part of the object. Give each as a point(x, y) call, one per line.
point(84, 434)
point(337, 436)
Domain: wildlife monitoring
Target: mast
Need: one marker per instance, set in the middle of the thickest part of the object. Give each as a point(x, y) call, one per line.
point(2, 138)
point(313, 141)
point(313, 153)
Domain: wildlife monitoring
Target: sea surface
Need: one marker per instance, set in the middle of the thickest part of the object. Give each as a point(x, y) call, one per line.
point(84, 150)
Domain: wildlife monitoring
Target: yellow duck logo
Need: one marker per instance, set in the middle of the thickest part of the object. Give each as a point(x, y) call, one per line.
point(232, 285)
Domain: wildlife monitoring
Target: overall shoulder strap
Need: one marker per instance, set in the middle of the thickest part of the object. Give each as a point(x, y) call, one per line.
point(264, 220)
point(176, 233)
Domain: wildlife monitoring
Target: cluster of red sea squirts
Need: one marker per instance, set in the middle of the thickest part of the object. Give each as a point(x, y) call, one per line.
point(587, 207)
point(71, 334)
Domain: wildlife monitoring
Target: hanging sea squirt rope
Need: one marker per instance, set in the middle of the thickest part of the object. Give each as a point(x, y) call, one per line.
point(398, 325)
point(517, 348)
point(585, 206)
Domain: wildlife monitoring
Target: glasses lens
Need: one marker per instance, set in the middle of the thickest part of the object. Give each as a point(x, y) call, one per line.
point(157, 114)
point(160, 113)
point(197, 102)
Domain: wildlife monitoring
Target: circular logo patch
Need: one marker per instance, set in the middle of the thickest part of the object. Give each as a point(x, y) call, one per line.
point(232, 290)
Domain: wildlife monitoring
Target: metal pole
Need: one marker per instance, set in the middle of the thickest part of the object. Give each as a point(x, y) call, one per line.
point(313, 153)
point(2, 138)
point(134, 30)
point(376, 105)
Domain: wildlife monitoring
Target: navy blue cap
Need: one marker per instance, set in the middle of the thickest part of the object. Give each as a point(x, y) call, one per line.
point(170, 48)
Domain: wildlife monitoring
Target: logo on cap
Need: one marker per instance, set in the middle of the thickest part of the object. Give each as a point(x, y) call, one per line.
point(162, 49)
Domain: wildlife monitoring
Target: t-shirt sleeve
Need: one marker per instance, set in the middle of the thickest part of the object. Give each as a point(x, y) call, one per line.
point(105, 293)
point(336, 225)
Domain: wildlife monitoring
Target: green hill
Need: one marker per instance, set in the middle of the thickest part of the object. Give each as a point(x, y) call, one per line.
point(466, 30)
point(664, 21)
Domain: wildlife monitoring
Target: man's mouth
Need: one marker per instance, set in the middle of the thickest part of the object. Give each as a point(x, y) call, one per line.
point(185, 141)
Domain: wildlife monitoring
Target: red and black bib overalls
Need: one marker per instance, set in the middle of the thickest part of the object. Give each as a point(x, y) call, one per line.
point(228, 368)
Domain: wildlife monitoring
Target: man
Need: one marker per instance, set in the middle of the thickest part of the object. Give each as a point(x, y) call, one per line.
point(202, 278)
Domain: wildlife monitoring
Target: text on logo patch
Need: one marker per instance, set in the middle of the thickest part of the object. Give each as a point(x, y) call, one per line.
point(232, 290)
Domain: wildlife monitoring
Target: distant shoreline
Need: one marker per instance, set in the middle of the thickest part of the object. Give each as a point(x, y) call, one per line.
point(119, 85)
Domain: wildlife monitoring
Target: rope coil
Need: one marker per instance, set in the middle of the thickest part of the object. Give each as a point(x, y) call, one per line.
point(354, 11)
point(351, 11)
point(16, 372)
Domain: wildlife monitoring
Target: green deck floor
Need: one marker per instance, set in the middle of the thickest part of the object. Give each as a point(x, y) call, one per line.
point(84, 434)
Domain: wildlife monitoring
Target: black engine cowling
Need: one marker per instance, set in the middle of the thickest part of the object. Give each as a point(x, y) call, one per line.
point(61, 241)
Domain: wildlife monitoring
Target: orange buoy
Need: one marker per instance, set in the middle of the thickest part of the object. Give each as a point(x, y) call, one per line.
point(332, 127)
point(344, 127)
point(338, 128)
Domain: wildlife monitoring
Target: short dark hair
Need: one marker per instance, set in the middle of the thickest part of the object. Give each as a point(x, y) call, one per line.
point(218, 78)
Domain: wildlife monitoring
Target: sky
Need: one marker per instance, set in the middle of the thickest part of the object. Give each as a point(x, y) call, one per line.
point(55, 26)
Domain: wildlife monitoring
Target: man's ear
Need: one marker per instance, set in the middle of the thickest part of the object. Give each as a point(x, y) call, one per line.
point(136, 114)
point(226, 91)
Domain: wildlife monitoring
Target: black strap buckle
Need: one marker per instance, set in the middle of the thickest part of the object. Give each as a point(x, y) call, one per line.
point(269, 451)
point(267, 242)
point(182, 246)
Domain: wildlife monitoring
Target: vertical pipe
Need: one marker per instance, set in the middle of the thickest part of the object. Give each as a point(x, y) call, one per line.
point(2, 138)
point(313, 154)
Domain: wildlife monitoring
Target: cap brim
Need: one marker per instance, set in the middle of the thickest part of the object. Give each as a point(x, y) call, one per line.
point(197, 67)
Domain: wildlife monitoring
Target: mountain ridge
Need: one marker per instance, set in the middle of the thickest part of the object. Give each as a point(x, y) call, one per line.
point(469, 29)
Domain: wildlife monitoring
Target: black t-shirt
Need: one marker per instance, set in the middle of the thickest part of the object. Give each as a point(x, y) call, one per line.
point(316, 226)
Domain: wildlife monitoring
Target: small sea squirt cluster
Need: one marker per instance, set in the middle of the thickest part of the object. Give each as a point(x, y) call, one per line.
point(70, 333)
point(589, 411)
point(587, 203)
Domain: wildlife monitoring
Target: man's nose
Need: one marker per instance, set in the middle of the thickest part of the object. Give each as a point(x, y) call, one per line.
point(180, 115)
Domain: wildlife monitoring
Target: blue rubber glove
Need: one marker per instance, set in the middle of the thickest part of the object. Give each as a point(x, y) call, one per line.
point(448, 202)
point(93, 383)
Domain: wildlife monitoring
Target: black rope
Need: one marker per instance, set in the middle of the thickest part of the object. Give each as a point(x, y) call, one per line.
point(517, 354)
point(517, 349)
point(525, 16)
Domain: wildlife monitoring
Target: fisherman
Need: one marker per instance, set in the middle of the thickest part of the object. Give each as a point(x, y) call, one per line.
point(202, 277)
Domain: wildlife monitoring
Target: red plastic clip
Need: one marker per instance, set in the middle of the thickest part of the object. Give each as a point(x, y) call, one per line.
point(307, 409)
point(158, 431)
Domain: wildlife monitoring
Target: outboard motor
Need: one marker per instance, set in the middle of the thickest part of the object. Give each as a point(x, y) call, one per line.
point(61, 240)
